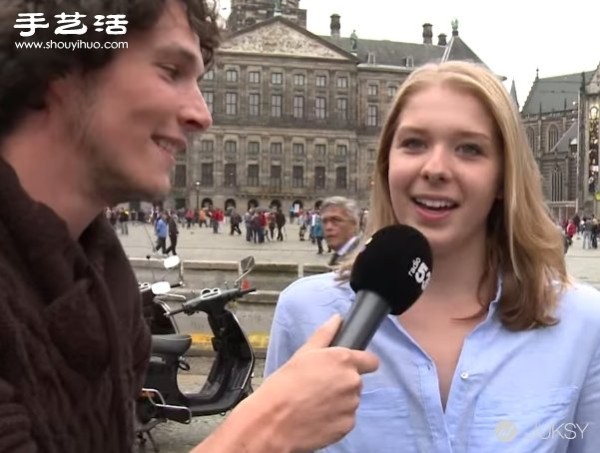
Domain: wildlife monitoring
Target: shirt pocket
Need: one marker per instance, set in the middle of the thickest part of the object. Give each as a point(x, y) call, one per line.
point(381, 424)
point(537, 422)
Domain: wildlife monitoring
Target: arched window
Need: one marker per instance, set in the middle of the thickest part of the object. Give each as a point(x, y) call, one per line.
point(531, 139)
point(552, 137)
point(557, 185)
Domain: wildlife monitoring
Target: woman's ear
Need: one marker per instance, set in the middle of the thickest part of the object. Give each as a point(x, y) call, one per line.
point(500, 191)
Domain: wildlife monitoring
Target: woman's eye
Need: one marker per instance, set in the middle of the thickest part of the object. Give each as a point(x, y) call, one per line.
point(412, 143)
point(470, 149)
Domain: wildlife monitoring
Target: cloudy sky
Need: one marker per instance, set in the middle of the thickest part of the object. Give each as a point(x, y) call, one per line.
point(513, 37)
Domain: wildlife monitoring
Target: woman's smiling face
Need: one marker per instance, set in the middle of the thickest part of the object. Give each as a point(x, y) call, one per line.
point(445, 166)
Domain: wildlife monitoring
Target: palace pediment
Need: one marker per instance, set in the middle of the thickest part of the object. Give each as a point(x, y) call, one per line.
point(282, 38)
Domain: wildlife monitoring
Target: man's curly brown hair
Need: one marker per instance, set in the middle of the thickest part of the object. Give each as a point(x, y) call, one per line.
point(26, 72)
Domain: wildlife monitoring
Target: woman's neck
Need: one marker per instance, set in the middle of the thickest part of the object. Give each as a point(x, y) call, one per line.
point(456, 283)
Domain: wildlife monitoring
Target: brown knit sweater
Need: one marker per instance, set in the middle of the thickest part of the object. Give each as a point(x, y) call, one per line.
point(73, 344)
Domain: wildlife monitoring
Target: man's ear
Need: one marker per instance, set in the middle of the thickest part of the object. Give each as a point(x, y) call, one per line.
point(62, 89)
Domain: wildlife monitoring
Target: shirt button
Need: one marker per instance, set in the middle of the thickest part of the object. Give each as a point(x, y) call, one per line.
point(464, 375)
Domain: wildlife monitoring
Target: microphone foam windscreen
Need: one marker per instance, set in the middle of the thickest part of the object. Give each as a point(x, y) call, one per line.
point(396, 264)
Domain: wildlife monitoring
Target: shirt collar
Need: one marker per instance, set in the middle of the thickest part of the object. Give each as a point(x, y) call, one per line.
point(344, 248)
point(494, 303)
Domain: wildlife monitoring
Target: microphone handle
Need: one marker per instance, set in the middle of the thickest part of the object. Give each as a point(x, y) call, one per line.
point(362, 321)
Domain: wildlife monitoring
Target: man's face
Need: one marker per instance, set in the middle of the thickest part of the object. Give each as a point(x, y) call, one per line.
point(134, 115)
point(339, 226)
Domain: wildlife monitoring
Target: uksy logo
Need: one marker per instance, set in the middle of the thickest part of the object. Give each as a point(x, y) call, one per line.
point(562, 431)
point(507, 431)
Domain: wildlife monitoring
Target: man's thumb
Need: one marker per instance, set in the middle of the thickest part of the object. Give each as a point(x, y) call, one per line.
point(324, 335)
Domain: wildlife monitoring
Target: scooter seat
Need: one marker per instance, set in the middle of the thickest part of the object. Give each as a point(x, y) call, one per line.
point(173, 344)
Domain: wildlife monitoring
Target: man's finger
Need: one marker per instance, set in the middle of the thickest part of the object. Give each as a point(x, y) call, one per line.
point(365, 362)
point(324, 335)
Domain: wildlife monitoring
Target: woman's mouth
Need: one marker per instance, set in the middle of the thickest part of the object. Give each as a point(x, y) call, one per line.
point(434, 209)
point(435, 204)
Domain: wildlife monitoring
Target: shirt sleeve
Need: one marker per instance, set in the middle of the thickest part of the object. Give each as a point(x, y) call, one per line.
point(281, 339)
point(301, 309)
point(587, 415)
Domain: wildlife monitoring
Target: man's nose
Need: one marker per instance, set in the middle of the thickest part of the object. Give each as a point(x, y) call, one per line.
point(195, 114)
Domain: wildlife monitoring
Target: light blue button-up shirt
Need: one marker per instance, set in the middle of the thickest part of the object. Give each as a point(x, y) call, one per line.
point(525, 392)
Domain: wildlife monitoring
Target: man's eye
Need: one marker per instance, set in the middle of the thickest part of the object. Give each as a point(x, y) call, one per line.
point(173, 71)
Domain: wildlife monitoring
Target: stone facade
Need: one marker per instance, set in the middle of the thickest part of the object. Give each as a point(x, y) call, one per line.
point(296, 115)
point(246, 13)
point(559, 113)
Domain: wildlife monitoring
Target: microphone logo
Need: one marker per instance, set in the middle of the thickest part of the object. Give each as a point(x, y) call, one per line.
point(420, 272)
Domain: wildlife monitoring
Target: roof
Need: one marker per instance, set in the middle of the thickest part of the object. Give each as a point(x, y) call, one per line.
point(457, 49)
point(513, 93)
point(551, 94)
point(396, 54)
point(343, 52)
point(569, 137)
point(390, 53)
point(385, 52)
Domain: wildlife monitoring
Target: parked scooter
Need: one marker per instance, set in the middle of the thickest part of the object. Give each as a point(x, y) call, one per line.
point(153, 312)
point(229, 380)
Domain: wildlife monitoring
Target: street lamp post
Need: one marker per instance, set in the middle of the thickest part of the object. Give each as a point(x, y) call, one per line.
point(593, 150)
point(197, 184)
point(577, 157)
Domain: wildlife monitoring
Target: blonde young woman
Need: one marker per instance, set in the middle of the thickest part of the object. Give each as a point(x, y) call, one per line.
point(502, 351)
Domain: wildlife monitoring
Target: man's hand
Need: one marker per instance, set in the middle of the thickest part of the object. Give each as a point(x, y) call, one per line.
point(309, 403)
point(316, 393)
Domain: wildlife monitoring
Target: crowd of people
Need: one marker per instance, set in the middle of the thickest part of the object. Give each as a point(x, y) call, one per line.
point(586, 228)
point(260, 225)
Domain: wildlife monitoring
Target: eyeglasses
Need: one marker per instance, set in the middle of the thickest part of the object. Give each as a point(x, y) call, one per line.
point(334, 220)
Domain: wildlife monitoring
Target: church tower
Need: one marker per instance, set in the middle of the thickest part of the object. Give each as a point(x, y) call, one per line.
point(245, 13)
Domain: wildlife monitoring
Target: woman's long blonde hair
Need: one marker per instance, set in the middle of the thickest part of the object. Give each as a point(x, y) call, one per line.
point(523, 244)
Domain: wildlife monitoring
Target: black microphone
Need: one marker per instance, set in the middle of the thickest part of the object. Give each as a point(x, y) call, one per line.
point(388, 275)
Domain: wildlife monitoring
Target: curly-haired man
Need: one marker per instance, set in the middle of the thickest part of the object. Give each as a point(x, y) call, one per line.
point(82, 128)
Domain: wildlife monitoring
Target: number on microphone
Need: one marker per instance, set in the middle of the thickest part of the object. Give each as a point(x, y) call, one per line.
point(421, 273)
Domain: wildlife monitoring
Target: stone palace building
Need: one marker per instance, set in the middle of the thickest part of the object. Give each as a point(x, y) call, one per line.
point(296, 115)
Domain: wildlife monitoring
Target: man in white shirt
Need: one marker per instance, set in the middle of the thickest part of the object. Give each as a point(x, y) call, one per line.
point(339, 216)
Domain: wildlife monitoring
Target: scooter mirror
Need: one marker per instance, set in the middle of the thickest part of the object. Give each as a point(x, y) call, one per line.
point(247, 264)
point(171, 262)
point(161, 288)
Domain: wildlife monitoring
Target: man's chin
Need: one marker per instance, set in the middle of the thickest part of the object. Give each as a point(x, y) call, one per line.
point(139, 194)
